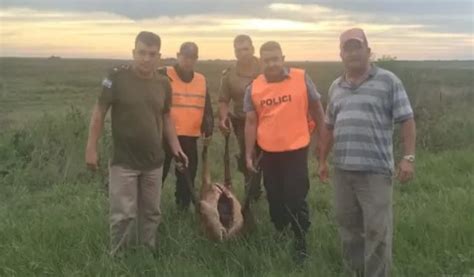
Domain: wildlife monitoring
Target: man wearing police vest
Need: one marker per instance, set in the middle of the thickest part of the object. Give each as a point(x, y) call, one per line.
point(191, 112)
point(277, 103)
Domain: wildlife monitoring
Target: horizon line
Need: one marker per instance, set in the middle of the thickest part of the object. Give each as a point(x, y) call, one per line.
point(216, 59)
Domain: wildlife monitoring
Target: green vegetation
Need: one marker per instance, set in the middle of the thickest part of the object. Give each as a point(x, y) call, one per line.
point(54, 212)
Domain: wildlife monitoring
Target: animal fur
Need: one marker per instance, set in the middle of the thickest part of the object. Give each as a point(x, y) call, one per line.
point(219, 210)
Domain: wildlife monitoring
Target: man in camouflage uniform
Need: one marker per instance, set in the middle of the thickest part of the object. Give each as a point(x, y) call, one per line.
point(232, 88)
point(140, 100)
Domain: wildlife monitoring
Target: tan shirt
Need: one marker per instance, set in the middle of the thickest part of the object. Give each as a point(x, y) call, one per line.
point(233, 85)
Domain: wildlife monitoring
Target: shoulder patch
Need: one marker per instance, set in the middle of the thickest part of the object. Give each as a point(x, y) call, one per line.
point(118, 68)
point(114, 71)
point(225, 71)
point(107, 83)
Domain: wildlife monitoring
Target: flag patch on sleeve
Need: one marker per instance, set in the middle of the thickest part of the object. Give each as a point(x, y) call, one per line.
point(107, 83)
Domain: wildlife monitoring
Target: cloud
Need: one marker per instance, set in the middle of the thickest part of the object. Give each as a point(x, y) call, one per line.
point(307, 29)
point(140, 9)
point(435, 15)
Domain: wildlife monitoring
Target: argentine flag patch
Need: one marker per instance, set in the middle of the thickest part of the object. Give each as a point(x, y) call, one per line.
point(107, 83)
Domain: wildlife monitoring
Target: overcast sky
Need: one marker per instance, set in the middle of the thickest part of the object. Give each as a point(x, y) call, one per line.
point(307, 30)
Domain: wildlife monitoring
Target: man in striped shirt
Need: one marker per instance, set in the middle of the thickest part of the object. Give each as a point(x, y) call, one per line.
point(365, 103)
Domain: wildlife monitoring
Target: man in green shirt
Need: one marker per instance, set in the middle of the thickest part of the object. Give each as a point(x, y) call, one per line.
point(232, 89)
point(140, 101)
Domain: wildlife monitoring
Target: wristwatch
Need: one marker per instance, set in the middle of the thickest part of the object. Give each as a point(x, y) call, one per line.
point(410, 158)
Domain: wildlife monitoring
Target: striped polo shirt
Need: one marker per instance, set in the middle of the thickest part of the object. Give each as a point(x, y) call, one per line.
point(363, 118)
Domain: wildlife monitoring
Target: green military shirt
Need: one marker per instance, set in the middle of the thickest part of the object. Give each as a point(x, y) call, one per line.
point(233, 84)
point(138, 106)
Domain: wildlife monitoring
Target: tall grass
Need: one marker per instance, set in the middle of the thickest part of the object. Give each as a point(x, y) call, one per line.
point(54, 211)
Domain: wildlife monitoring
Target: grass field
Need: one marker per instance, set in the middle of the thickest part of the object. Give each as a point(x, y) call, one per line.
point(54, 212)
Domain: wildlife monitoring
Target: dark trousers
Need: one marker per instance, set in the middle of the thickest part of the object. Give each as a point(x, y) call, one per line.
point(285, 177)
point(183, 194)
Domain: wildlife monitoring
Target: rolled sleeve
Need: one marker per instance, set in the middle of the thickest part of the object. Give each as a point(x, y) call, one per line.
point(401, 107)
point(248, 104)
point(313, 94)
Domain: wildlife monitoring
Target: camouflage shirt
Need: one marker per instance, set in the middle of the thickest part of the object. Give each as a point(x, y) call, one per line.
point(233, 84)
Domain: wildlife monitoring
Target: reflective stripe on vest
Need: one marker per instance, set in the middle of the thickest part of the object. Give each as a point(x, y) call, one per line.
point(188, 101)
point(282, 111)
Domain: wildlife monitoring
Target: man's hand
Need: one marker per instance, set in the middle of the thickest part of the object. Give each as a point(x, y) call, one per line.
point(250, 165)
point(323, 171)
point(224, 126)
point(92, 160)
point(180, 158)
point(406, 170)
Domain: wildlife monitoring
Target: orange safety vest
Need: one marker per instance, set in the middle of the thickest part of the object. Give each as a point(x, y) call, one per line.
point(188, 101)
point(282, 111)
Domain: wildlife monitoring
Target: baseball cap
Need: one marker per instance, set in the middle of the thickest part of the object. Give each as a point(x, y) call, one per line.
point(189, 49)
point(353, 34)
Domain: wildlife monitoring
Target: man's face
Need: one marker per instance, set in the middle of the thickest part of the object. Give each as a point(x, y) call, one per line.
point(272, 62)
point(355, 55)
point(146, 57)
point(244, 51)
point(186, 62)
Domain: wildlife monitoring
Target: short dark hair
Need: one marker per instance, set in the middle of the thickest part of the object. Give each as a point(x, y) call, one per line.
point(189, 48)
point(270, 46)
point(149, 38)
point(242, 38)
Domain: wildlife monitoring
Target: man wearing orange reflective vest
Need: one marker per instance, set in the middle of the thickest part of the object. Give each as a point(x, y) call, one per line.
point(191, 112)
point(277, 104)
